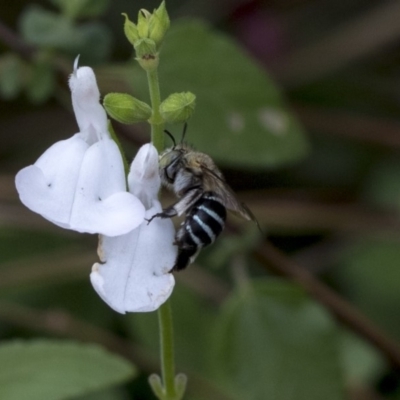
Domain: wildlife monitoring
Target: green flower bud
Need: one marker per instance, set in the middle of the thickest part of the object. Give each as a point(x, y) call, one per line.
point(146, 54)
point(178, 107)
point(131, 30)
point(159, 24)
point(126, 109)
point(143, 23)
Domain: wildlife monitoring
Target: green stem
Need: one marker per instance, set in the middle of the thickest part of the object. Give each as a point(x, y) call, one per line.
point(156, 121)
point(167, 350)
point(164, 312)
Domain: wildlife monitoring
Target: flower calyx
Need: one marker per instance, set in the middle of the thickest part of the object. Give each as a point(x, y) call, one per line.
point(178, 107)
point(125, 108)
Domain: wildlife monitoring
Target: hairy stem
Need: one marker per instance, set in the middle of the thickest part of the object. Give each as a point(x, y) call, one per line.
point(164, 312)
point(167, 350)
point(156, 122)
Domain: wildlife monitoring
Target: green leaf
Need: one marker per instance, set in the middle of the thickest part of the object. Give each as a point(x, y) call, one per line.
point(110, 394)
point(362, 362)
point(241, 118)
point(17, 243)
point(11, 76)
point(45, 29)
point(370, 276)
point(82, 8)
point(382, 187)
point(41, 84)
point(274, 343)
point(95, 42)
point(191, 333)
point(54, 370)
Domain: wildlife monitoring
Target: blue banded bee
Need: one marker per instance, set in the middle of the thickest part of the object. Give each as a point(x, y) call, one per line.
point(204, 197)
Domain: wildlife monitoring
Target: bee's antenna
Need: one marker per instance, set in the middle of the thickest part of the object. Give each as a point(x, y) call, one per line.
point(170, 135)
point(184, 131)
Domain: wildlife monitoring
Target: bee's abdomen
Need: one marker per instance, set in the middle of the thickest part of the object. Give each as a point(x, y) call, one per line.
point(206, 219)
point(202, 225)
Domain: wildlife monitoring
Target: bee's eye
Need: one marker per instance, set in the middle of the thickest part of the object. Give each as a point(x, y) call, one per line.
point(171, 170)
point(169, 163)
point(169, 179)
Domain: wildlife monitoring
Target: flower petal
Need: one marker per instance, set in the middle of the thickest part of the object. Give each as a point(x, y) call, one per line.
point(48, 186)
point(135, 274)
point(144, 178)
point(102, 204)
point(90, 115)
point(81, 188)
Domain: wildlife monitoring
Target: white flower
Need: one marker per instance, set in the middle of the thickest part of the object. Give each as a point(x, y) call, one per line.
point(134, 273)
point(79, 183)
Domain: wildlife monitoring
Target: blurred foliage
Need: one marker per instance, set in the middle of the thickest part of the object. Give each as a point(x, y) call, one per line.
point(246, 126)
point(52, 31)
point(273, 342)
point(297, 101)
point(58, 370)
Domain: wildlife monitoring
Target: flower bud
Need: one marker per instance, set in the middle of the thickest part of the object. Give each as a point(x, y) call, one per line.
point(126, 109)
point(178, 107)
point(143, 23)
point(159, 24)
point(131, 30)
point(146, 54)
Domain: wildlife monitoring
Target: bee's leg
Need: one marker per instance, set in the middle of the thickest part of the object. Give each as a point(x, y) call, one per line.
point(169, 212)
point(180, 207)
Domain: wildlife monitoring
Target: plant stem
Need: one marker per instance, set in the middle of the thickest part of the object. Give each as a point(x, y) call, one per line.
point(156, 121)
point(164, 312)
point(167, 350)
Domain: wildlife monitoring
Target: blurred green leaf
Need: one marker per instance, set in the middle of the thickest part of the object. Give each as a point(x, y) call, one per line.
point(274, 343)
point(42, 82)
point(382, 186)
point(95, 44)
point(17, 244)
point(229, 246)
point(58, 370)
point(369, 274)
point(191, 333)
point(322, 168)
point(11, 76)
point(362, 362)
point(82, 8)
point(46, 29)
point(110, 394)
point(240, 118)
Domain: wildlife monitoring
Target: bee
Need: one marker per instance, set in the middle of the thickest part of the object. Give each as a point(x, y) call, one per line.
point(204, 197)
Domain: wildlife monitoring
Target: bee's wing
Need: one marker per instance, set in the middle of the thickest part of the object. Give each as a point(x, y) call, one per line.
point(227, 195)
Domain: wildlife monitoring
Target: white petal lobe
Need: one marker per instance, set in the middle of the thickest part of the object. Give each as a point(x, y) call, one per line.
point(101, 203)
point(48, 186)
point(144, 179)
point(134, 276)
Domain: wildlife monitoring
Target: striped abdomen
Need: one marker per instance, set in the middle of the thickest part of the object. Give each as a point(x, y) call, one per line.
point(204, 222)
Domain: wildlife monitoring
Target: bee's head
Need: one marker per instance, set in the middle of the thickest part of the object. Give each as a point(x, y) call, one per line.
point(170, 163)
point(170, 159)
